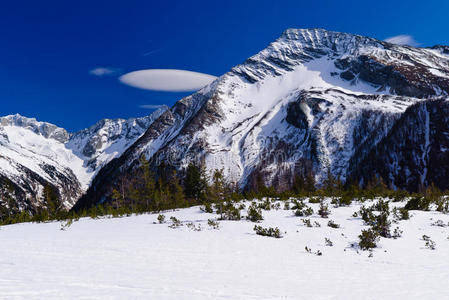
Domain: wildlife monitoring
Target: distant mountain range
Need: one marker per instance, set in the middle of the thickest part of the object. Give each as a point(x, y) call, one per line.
point(313, 102)
point(35, 154)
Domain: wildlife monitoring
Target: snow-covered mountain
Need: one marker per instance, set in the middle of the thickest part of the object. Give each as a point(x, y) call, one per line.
point(313, 101)
point(34, 154)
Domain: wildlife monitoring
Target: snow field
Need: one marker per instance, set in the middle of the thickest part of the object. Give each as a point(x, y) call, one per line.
point(138, 258)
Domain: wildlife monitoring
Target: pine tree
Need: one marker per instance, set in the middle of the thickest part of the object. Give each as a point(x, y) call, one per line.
point(195, 183)
point(217, 193)
point(52, 200)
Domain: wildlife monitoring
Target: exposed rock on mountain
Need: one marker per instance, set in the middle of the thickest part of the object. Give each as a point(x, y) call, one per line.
point(313, 101)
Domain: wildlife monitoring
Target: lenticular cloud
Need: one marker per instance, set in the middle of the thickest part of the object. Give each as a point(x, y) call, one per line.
point(402, 39)
point(167, 80)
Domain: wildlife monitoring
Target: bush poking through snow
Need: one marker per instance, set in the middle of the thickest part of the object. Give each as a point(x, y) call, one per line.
point(305, 212)
point(213, 224)
point(276, 206)
point(66, 225)
point(265, 204)
point(379, 221)
point(271, 232)
point(315, 199)
point(344, 200)
point(382, 225)
point(175, 223)
point(368, 239)
point(401, 213)
point(298, 205)
point(324, 210)
point(192, 226)
point(328, 242)
point(332, 224)
point(397, 233)
point(254, 213)
point(418, 203)
point(439, 223)
point(443, 205)
point(308, 250)
point(230, 212)
point(307, 222)
point(429, 243)
point(161, 219)
point(207, 208)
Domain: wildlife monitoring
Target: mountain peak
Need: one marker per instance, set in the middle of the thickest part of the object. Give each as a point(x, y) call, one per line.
point(45, 129)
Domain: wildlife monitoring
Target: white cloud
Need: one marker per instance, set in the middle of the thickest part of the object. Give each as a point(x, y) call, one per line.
point(152, 106)
point(102, 71)
point(402, 39)
point(167, 80)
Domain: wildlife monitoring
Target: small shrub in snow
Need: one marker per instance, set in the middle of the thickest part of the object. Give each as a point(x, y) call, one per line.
point(242, 206)
point(355, 215)
point(443, 205)
point(305, 212)
point(265, 205)
point(66, 225)
point(344, 200)
point(192, 226)
point(316, 224)
point(439, 223)
point(287, 205)
point(308, 250)
point(161, 219)
point(368, 239)
point(298, 205)
point(367, 215)
point(332, 224)
point(307, 222)
point(254, 214)
point(175, 222)
point(429, 243)
point(418, 203)
point(324, 210)
point(271, 232)
point(230, 212)
point(207, 208)
point(381, 205)
point(213, 224)
point(382, 225)
point(328, 242)
point(397, 233)
point(315, 199)
point(401, 213)
point(276, 206)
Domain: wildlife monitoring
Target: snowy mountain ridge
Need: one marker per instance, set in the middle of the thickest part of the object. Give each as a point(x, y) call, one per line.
point(313, 101)
point(34, 154)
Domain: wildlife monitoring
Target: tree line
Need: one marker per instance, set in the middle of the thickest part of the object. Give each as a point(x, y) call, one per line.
point(164, 188)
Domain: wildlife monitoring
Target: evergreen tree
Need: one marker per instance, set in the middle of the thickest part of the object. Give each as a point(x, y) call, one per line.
point(195, 183)
point(52, 200)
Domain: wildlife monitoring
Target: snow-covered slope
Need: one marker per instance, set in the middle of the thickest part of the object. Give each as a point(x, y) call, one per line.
point(133, 258)
point(313, 101)
point(34, 154)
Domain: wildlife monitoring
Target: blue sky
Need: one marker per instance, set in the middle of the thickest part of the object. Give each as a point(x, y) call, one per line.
point(48, 48)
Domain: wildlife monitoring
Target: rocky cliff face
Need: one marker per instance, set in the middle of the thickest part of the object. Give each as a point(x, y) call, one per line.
point(415, 152)
point(35, 154)
point(312, 101)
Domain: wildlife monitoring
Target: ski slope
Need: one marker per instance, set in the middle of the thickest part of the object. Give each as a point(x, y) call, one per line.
point(138, 258)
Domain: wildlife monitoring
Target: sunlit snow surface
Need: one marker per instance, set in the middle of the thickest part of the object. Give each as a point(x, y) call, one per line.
point(134, 258)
